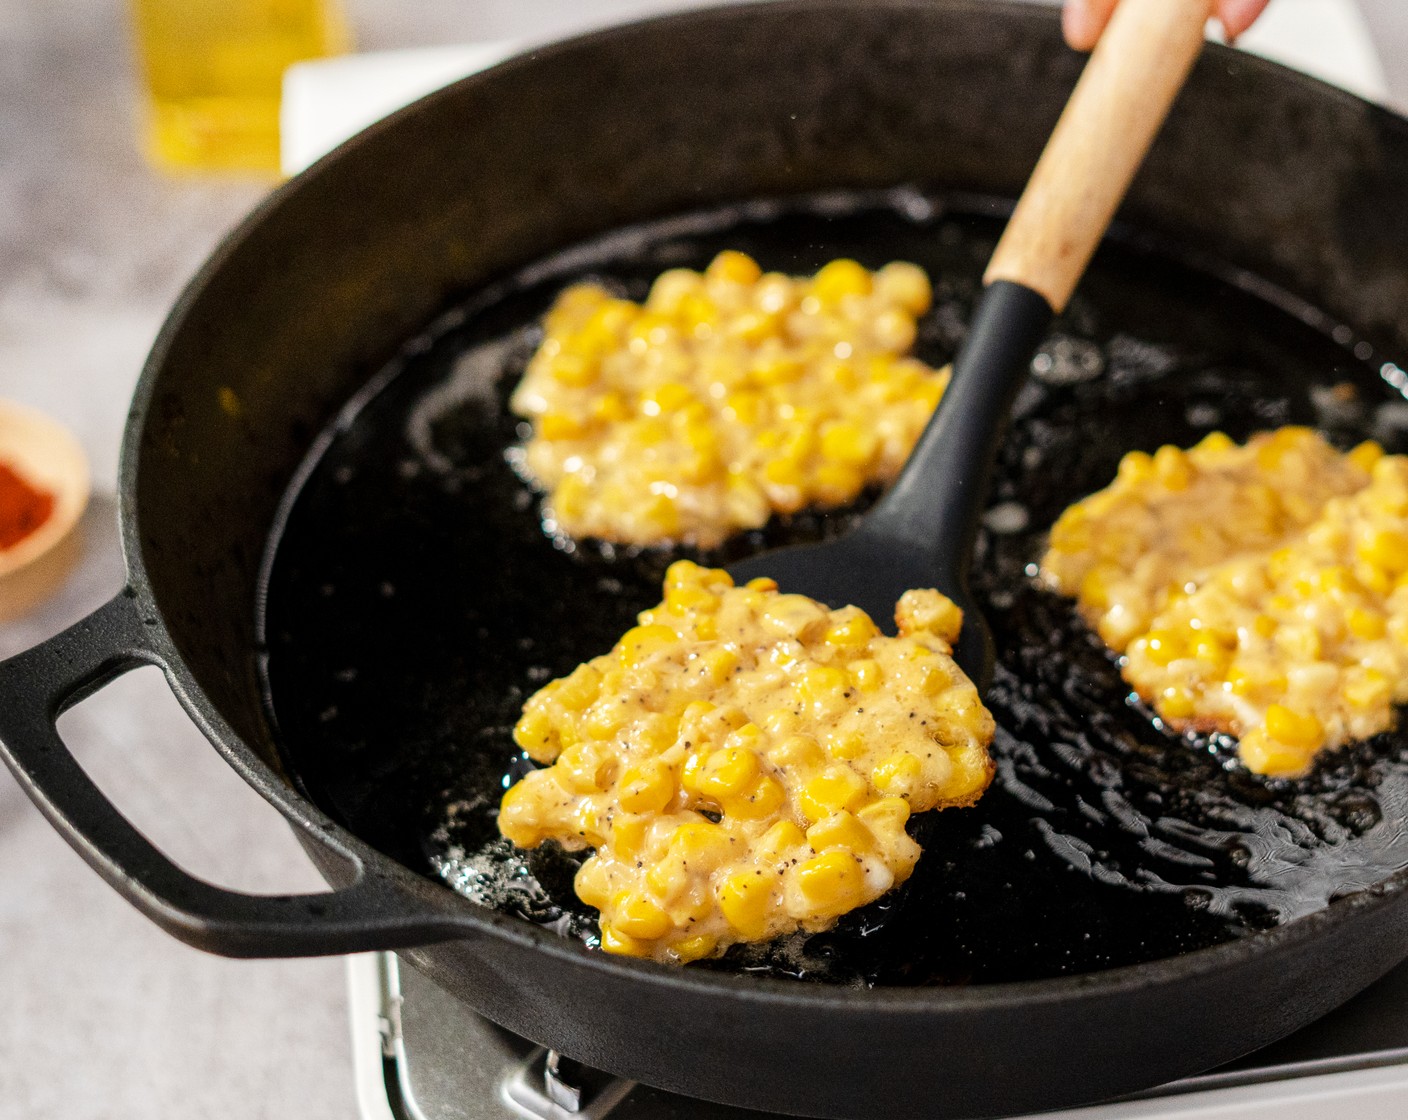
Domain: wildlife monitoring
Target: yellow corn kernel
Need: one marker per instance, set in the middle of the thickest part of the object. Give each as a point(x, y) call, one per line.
point(776, 369)
point(825, 688)
point(583, 770)
point(835, 788)
point(928, 612)
point(934, 677)
point(691, 598)
point(1368, 688)
point(866, 674)
point(646, 787)
point(701, 845)
point(849, 443)
point(603, 720)
point(762, 798)
point(628, 833)
point(720, 663)
point(574, 370)
point(840, 830)
point(640, 642)
point(636, 916)
point(519, 816)
point(851, 630)
point(722, 773)
point(1171, 468)
point(784, 472)
point(885, 816)
point(898, 775)
point(779, 841)
point(1175, 702)
point(1366, 455)
point(761, 583)
point(733, 267)
point(845, 745)
point(1386, 549)
point(1160, 646)
point(1264, 755)
point(1368, 625)
point(745, 898)
point(623, 944)
point(558, 425)
point(905, 284)
point(830, 884)
point(1215, 443)
point(893, 329)
point(1136, 467)
point(1245, 680)
point(968, 775)
point(1295, 729)
point(694, 948)
point(841, 278)
point(592, 883)
point(579, 689)
point(780, 722)
point(535, 733)
point(667, 878)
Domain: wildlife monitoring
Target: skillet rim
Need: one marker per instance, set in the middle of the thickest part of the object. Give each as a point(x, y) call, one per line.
point(477, 920)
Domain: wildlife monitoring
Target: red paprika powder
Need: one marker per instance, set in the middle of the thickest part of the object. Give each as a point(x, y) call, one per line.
point(23, 508)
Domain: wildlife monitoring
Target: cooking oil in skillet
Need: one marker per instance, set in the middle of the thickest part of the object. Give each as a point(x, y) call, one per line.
point(414, 601)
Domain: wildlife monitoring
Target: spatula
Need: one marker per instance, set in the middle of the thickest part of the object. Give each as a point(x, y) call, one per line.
point(921, 533)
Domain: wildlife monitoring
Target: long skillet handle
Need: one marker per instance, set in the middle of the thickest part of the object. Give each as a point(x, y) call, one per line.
point(1108, 125)
point(1107, 128)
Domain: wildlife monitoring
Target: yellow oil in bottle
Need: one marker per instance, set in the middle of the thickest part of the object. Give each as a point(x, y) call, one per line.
point(213, 70)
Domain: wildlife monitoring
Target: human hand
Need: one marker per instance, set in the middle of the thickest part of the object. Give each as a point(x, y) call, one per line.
point(1084, 20)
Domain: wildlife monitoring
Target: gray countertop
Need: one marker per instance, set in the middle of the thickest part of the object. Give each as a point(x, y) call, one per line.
point(107, 1016)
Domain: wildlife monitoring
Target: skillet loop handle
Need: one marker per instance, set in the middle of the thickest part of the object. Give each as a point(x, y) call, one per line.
point(1107, 128)
point(37, 686)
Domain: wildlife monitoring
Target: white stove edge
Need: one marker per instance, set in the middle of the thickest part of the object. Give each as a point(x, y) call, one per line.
point(1372, 1093)
point(327, 101)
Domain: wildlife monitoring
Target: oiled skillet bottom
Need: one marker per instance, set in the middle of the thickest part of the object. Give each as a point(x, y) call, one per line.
point(414, 600)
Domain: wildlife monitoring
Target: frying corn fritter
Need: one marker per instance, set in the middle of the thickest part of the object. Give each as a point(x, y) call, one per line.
point(744, 761)
point(1259, 589)
point(727, 396)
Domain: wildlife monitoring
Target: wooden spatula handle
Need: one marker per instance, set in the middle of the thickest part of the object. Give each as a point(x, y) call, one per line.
point(1120, 102)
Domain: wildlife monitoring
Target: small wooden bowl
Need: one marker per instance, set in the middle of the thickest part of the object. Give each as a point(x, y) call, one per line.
point(46, 455)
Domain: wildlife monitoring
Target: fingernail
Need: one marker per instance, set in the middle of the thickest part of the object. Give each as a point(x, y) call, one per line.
point(1079, 24)
point(1238, 15)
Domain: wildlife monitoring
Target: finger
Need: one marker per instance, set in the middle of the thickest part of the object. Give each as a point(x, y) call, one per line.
point(1238, 15)
point(1082, 21)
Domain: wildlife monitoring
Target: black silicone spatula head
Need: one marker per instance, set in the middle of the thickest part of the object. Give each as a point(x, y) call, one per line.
point(921, 533)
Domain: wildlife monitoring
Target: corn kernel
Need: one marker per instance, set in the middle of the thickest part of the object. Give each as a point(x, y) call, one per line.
point(695, 948)
point(535, 733)
point(851, 629)
point(640, 642)
point(746, 901)
point(841, 278)
point(825, 688)
point(733, 267)
point(1295, 729)
point(646, 787)
point(636, 916)
point(829, 884)
point(836, 787)
point(622, 944)
point(1386, 549)
point(840, 830)
point(899, 775)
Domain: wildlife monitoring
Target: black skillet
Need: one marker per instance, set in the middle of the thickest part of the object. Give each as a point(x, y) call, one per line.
point(1285, 188)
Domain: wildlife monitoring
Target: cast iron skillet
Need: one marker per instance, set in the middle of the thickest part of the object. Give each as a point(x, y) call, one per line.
point(1300, 185)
